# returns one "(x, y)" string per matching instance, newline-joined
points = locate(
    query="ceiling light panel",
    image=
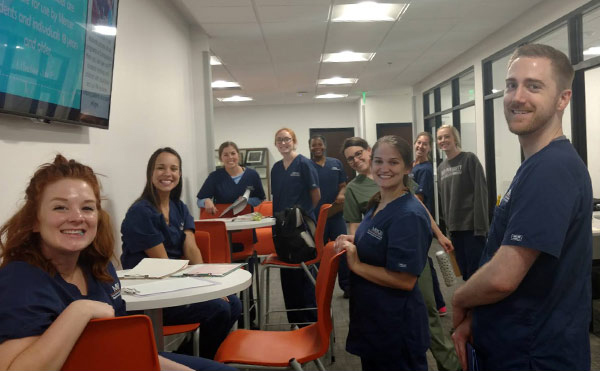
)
(346, 56)
(221, 84)
(331, 96)
(235, 98)
(367, 11)
(338, 81)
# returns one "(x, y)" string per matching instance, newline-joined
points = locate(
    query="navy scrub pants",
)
(216, 317)
(468, 249)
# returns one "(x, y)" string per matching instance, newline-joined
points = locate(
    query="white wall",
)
(151, 107)
(387, 107)
(255, 126)
(532, 20)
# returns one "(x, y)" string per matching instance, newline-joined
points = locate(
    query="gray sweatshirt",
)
(463, 190)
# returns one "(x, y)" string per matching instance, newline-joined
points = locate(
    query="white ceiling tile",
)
(302, 13)
(223, 14)
(216, 3)
(293, 41)
(356, 36)
(233, 31)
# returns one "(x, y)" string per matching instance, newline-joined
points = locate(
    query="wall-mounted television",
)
(56, 59)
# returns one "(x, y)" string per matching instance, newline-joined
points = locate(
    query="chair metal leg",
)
(319, 364)
(295, 365)
(196, 342)
(307, 271)
(256, 261)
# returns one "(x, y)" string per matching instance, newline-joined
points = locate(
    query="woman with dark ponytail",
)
(388, 317)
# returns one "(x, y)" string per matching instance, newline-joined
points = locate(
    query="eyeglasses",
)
(357, 154)
(283, 140)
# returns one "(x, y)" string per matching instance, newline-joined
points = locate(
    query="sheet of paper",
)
(156, 268)
(163, 286)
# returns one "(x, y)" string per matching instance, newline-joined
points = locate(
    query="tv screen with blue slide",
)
(56, 59)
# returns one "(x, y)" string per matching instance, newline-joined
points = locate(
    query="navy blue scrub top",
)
(384, 319)
(32, 299)
(292, 186)
(220, 186)
(330, 175)
(145, 227)
(544, 323)
(422, 174)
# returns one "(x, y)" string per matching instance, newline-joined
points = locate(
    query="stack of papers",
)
(160, 287)
(156, 268)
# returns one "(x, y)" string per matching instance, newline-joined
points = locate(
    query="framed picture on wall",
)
(254, 157)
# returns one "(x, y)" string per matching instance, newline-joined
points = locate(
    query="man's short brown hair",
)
(560, 62)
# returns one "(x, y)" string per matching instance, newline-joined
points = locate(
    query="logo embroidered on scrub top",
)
(506, 197)
(516, 237)
(295, 173)
(335, 168)
(181, 226)
(374, 232)
(116, 290)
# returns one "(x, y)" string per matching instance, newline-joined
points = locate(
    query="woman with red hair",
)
(56, 273)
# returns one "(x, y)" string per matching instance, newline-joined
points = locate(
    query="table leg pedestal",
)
(156, 316)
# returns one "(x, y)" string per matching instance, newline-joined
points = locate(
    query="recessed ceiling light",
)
(235, 98)
(594, 50)
(331, 96)
(214, 61)
(220, 84)
(367, 11)
(338, 81)
(347, 56)
(105, 30)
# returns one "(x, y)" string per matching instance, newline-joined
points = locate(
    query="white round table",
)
(152, 305)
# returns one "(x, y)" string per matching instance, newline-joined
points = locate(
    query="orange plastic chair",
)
(272, 261)
(218, 249)
(122, 343)
(243, 348)
(245, 237)
(264, 236)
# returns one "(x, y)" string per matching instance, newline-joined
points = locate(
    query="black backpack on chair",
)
(294, 235)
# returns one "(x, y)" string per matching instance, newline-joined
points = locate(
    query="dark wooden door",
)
(403, 129)
(335, 138)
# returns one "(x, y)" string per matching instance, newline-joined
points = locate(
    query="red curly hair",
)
(18, 241)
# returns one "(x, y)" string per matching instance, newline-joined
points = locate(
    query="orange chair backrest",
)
(324, 291)
(220, 252)
(122, 343)
(244, 237)
(320, 230)
(203, 243)
(265, 208)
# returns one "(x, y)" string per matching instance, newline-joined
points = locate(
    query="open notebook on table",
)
(238, 205)
(155, 268)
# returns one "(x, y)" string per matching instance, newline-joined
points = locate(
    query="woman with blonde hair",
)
(463, 191)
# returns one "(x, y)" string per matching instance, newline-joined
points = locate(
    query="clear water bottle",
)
(446, 267)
